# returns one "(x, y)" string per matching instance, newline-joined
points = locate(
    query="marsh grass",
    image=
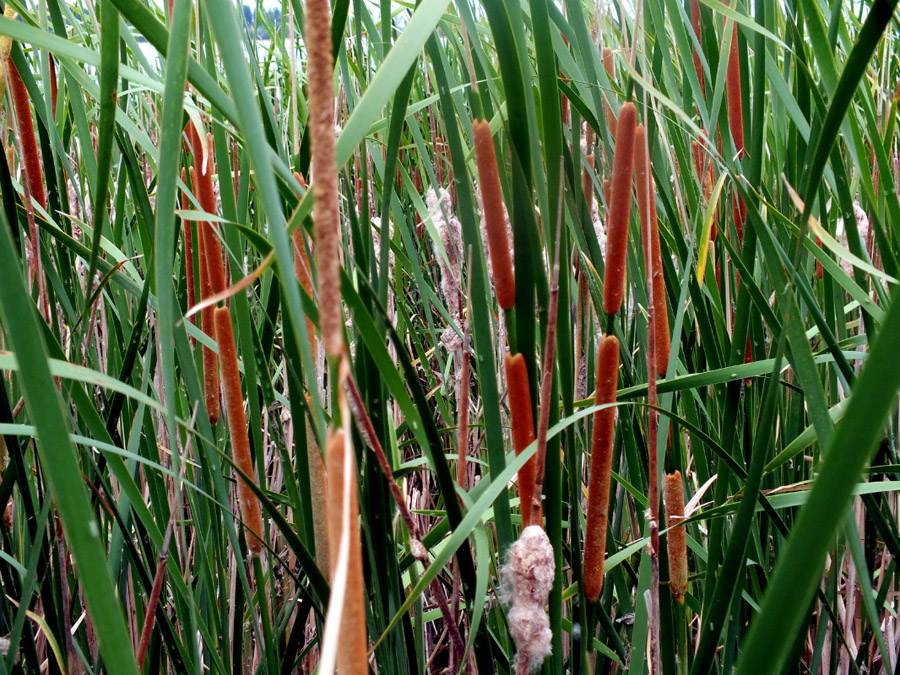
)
(366, 334)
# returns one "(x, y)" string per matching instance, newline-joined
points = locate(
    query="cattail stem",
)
(494, 218)
(619, 208)
(522, 418)
(601, 466)
(237, 429)
(547, 379)
(652, 250)
(676, 539)
(343, 512)
(326, 216)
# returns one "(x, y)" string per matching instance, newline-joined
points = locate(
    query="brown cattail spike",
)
(673, 498)
(326, 215)
(207, 323)
(494, 217)
(619, 208)
(522, 428)
(31, 159)
(203, 189)
(736, 120)
(652, 253)
(695, 24)
(351, 657)
(610, 68)
(601, 467)
(237, 429)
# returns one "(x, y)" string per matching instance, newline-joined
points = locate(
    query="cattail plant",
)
(673, 498)
(522, 420)
(207, 324)
(494, 218)
(326, 217)
(30, 159)
(695, 24)
(54, 86)
(736, 120)
(610, 68)
(343, 513)
(526, 580)
(619, 208)
(652, 251)
(203, 188)
(237, 429)
(601, 466)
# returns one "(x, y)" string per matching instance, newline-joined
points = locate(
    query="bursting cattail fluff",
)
(619, 208)
(526, 580)
(522, 419)
(326, 214)
(652, 250)
(494, 218)
(601, 467)
(673, 498)
(450, 261)
(237, 428)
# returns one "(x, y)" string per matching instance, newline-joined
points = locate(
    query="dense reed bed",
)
(530, 336)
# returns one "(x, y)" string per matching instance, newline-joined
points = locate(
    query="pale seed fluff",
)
(526, 580)
(449, 261)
